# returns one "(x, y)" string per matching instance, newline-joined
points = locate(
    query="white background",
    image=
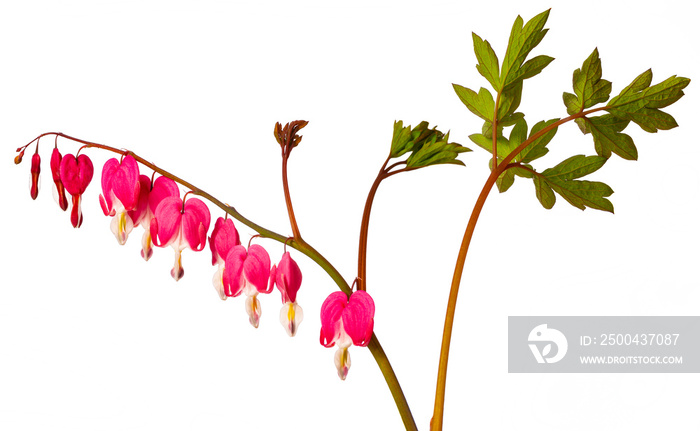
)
(92, 337)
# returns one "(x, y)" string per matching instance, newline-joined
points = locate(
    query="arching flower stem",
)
(296, 243)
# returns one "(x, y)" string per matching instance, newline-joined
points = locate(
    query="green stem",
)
(297, 243)
(438, 411)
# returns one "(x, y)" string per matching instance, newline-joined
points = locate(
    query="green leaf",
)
(523, 39)
(436, 152)
(538, 147)
(400, 139)
(481, 104)
(488, 62)
(563, 179)
(582, 194)
(505, 180)
(607, 136)
(502, 144)
(640, 103)
(517, 136)
(531, 68)
(487, 130)
(543, 192)
(510, 101)
(524, 170)
(575, 167)
(590, 89)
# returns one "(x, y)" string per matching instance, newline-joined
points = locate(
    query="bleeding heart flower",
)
(287, 277)
(150, 195)
(59, 190)
(346, 321)
(35, 170)
(223, 238)
(121, 187)
(76, 174)
(248, 272)
(181, 225)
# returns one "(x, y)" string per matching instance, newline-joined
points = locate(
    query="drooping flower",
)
(150, 195)
(248, 271)
(35, 170)
(76, 174)
(59, 190)
(287, 277)
(120, 188)
(181, 225)
(223, 238)
(346, 321)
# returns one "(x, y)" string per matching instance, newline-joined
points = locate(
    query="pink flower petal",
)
(195, 223)
(223, 238)
(35, 170)
(256, 268)
(233, 271)
(288, 278)
(125, 183)
(139, 213)
(273, 278)
(60, 191)
(163, 187)
(108, 170)
(167, 220)
(56, 164)
(76, 174)
(358, 318)
(331, 311)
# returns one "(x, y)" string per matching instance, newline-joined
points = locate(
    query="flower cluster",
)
(132, 199)
(70, 173)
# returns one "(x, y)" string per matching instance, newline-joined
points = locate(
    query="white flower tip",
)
(342, 362)
(121, 226)
(218, 282)
(178, 271)
(252, 307)
(146, 245)
(291, 316)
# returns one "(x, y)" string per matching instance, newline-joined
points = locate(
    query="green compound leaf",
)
(590, 89)
(509, 102)
(488, 61)
(523, 39)
(575, 167)
(531, 68)
(487, 129)
(640, 103)
(427, 146)
(505, 180)
(436, 152)
(544, 193)
(607, 136)
(538, 147)
(481, 104)
(503, 147)
(401, 140)
(563, 180)
(582, 194)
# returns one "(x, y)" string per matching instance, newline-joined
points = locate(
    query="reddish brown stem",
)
(287, 196)
(436, 421)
